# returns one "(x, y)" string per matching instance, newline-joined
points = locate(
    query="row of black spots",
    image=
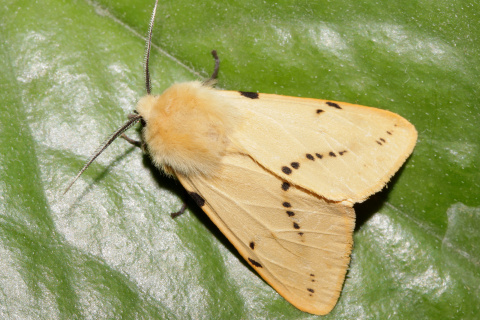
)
(251, 95)
(295, 165)
(332, 154)
(320, 156)
(290, 213)
(310, 290)
(287, 205)
(380, 141)
(285, 187)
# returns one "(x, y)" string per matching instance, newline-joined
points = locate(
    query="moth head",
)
(187, 128)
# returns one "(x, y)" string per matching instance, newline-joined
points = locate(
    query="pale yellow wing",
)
(337, 150)
(298, 241)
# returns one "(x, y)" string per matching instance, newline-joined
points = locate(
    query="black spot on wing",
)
(390, 133)
(255, 263)
(252, 245)
(310, 156)
(319, 111)
(251, 95)
(333, 104)
(310, 290)
(286, 170)
(381, 141)
(197, 198)
(290, 213)
(285, 186)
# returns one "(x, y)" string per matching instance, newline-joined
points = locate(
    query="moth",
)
(278, 175)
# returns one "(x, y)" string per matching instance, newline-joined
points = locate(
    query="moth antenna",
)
(131, 121)
(148, 45)
(214, 75)
(217, 65)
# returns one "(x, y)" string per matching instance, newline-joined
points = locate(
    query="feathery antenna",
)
(131, 121)
(213, 78)
(148, 85)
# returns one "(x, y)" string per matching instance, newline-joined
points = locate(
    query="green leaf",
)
(72, 71)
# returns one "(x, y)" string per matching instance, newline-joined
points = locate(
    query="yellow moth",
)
(278, 175)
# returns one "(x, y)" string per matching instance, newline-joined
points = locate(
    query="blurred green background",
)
(72, 70)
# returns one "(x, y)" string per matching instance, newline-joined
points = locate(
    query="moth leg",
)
(179, 212)
(214, 75)
(136, 143)
(141, 145)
